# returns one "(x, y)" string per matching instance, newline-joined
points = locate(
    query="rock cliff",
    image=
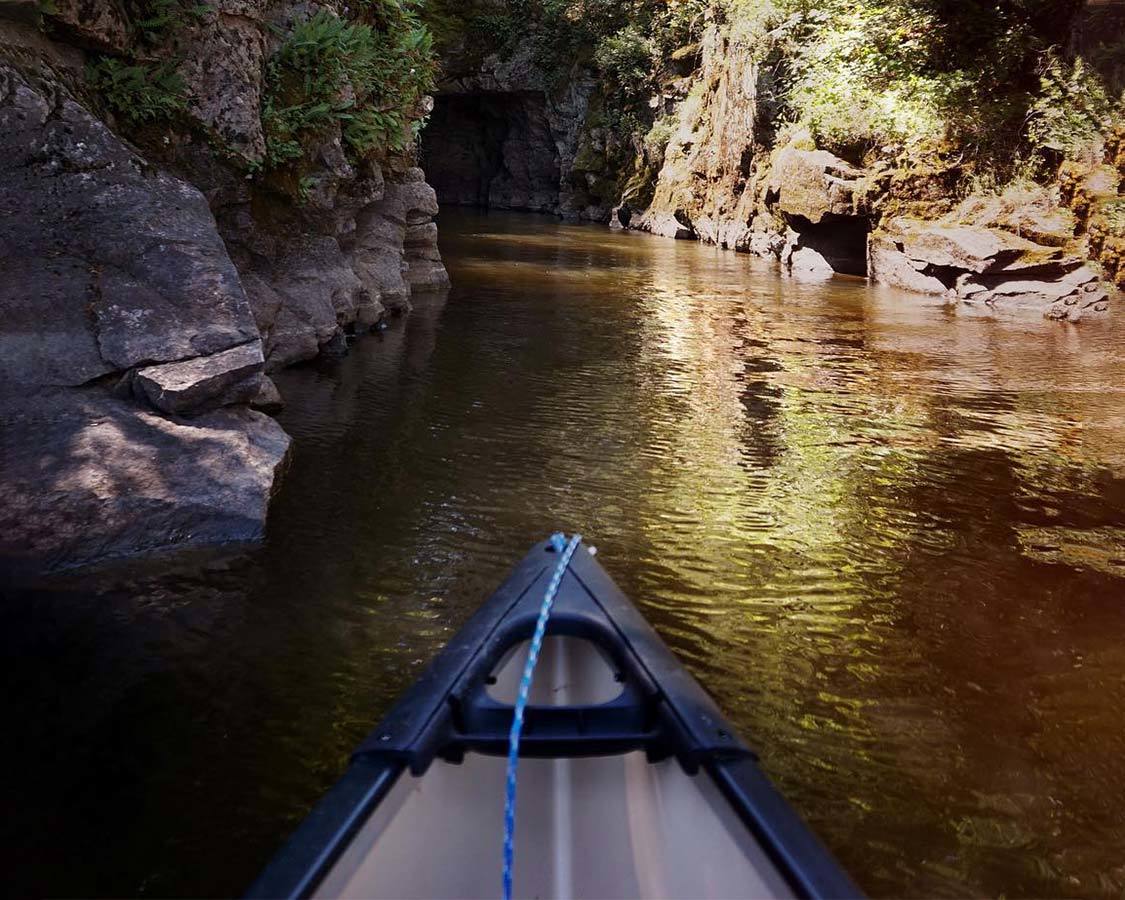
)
(156, 263)
(812, 134)
(721, 182)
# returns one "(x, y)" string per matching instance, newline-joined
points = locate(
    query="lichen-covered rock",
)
(814, 185)
(1031, 213)
(87, 476)
(980, 265)
(223, 52)
(704, 188)
(971, 248)
(98, 24)
(1094, 193)
(196, 385)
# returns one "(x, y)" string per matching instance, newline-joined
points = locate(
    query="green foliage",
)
(862, 74)
(141, 93)
(1073, 107)
(366, 78)
(974, 82)
(1114, 213)
(625, 58)
(155, 19)
(658, 136)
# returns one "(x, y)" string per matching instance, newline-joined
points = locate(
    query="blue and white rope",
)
(558, 541)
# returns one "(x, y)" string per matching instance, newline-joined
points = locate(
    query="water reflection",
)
(888, 538)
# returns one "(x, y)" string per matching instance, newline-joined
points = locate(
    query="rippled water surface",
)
(889, 538)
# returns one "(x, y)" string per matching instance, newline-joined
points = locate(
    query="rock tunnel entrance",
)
(492, 150)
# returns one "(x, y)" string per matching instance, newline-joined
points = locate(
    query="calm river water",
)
(889, 538)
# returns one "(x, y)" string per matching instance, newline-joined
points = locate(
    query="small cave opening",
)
(493, 150)
(841, 241)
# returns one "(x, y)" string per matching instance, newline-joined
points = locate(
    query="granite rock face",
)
(395, 237)
(112, 267)
(223, 50)
(705, 187)
(105, 262)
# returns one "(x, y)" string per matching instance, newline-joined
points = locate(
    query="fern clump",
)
(365, 77)
(141, 93)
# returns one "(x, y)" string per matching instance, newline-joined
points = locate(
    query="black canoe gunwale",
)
(662, 710)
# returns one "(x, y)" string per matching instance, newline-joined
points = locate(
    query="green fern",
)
(366, 78)
(141, 93)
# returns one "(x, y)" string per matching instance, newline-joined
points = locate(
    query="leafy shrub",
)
(153, 19)
(625, 57)
(141, 93)
(1073, 107)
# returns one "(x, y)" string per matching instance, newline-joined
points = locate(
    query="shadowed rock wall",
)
(149, 283)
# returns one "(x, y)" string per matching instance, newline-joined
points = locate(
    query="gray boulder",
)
(107, 266)
(983, 265)
(814, 185)
(88, 477)
(268, 399)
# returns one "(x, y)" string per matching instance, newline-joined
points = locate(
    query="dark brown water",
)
(888, 538)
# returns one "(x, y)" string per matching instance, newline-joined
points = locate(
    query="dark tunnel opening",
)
(492, 150)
